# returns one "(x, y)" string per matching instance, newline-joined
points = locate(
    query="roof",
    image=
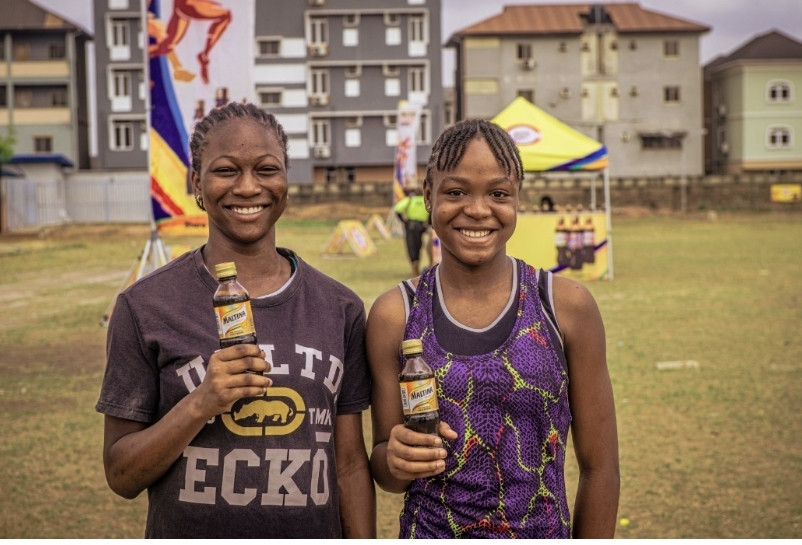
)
(27, 15)
(773, 45)
(41, 158)
(626, 17)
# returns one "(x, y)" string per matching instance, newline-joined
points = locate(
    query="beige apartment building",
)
(624, 75)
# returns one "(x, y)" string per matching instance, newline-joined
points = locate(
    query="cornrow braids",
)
(233, 110)
(449, 148)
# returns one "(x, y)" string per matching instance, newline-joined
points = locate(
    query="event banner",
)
(571, 243)
(201, 55)
(406, 167)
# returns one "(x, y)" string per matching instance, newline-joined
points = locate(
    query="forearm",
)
(596, 506)
(357, 504)
(139, 458)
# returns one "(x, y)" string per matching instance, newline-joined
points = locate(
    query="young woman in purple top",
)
(519, 356)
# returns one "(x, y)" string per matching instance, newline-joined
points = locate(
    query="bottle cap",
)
(225, 270)
(412, 346)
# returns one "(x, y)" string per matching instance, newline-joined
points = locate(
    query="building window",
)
(58, 98)
(390, 121)
(391, 19)
(23, 98)
(321, 132)
(351, 19)
(671, 48)
(423, 129)
(318, 31)
(350, 37)
(778, 137)
(523, 52)
(270, 98)
(661, 141)
(417, 29)
(671, 94)
(417, 80)
(121, 84)
(353, 137)
(119, 33)
(22, 51)
(528, 94)
(43, 144)
(122, 136)
(2, 50)
(353, 71)
(3, 97)
(352, 88)
(56, 50)
(320, 81)
(269, 47)
(779, 91)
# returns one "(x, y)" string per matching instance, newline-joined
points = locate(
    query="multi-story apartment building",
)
(753, 114)
(332, 71)
(43, 82)
(121, 123)
(624, 75)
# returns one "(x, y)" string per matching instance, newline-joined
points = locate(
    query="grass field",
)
(707, 451)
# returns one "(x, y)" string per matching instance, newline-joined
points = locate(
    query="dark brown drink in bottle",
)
(232, 305)
(418, 390)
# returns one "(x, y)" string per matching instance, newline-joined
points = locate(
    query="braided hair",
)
(450, 147)
(234, 110)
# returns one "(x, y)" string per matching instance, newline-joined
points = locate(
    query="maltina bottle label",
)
(418, 396)
(234, 320)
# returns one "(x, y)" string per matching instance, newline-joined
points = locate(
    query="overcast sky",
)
(733, 22)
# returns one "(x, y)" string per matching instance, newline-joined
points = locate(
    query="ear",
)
(196, 181)
(427, 190)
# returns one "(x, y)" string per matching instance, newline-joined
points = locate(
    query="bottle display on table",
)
(232, 305)
(418, 390)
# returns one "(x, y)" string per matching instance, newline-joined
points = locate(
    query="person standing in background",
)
(411, 210)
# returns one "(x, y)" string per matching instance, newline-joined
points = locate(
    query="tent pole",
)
(608, 218)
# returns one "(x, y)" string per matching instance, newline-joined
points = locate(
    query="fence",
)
(98, 197)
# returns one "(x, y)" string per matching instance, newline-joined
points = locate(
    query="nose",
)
(247, 185)
(476, 206)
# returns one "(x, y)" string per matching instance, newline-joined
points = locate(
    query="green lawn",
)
(710, 450)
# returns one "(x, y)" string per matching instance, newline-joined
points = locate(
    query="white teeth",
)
(475, 234)
(247, 211)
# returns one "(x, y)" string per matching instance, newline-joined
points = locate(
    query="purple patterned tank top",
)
(504, 475)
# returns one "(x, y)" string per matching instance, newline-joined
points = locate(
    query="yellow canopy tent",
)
(548, 144)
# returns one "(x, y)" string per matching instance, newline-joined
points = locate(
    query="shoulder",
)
(175, 274)
(570, 295)
(576, 309)
(388, 307)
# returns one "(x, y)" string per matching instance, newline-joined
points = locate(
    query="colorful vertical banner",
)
(406, 161)
(201, 56)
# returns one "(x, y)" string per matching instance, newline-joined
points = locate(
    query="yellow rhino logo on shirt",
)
(280, 412)
(261, 409)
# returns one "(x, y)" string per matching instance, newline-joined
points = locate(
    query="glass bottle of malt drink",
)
(418, 390)
(232, 305)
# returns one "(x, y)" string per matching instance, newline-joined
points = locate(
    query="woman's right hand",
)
(232, 374)
(413, 455)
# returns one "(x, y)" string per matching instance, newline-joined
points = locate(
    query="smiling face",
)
(243, 182)
(474, 206)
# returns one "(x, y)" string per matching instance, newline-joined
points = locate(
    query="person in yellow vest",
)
(411, 210)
